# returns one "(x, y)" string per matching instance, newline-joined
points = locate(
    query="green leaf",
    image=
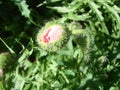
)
(23, 7)
(114, 12)
(11, 51)
(20, 82)
(64, 76)
(76, 17)
(52, 1)
(69, 72)
(56, 84)
(1, 86)
(53, 67)
(114, 88)
(62, 9)
(47, 2)
(26, 53)
(95, 9)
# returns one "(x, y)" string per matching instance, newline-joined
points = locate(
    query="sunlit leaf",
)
(76, 17)
(23, 7)
(62, 9)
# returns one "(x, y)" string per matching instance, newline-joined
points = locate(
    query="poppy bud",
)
(52, 37)
(5, 58)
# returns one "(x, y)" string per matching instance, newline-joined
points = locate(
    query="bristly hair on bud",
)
(52, 36)
(83, 37)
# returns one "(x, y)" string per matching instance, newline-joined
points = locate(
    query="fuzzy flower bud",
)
(52, 37)
(5, 58)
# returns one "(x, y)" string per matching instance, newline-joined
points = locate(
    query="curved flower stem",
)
(80, 31)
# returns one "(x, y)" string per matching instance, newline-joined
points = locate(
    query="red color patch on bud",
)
(52, 34)
(52, 37)
(45, 37)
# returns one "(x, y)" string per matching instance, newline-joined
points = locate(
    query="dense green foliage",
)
(89, 60)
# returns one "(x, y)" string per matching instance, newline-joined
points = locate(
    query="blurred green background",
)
(70, 68)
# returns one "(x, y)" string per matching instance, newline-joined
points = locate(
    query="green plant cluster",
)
(90, 60)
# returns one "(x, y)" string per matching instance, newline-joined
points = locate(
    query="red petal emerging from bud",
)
(52, 34)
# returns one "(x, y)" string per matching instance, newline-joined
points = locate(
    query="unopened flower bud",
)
(52, 37)
(5, 58)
